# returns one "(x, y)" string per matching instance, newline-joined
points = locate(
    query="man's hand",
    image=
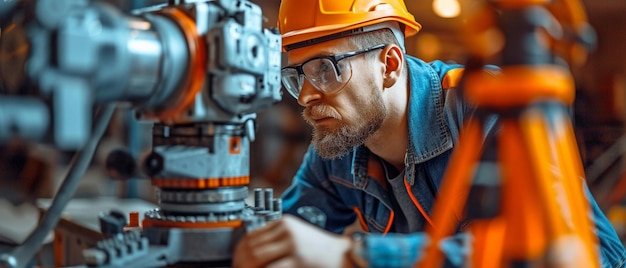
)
(291, 242)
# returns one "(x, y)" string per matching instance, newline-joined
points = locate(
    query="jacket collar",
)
(429, 134)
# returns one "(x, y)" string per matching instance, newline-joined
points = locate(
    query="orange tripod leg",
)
(488, 238)
(521, 203)
(574, 183)
(577, 186)
(454, 190)
(560, 192)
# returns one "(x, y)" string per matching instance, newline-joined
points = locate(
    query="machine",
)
(198, 69)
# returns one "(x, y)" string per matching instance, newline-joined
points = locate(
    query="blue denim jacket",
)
(351, 188)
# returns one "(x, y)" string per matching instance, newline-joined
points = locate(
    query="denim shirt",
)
(350, 188)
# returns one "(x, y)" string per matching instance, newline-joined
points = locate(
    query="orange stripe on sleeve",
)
(389, 223)
(452, 79)
(361, 219)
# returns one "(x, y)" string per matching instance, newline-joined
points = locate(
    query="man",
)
(385, 124)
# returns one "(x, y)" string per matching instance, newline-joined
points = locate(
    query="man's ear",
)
(394, 62)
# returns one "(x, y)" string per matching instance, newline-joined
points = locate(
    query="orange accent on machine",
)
(235, 145)
(133, 220)
(149, 222)
(193, 82)
(202, 183)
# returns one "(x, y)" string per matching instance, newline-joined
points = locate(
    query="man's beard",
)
(331, 144)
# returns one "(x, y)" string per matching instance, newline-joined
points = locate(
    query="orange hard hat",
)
(304, 20)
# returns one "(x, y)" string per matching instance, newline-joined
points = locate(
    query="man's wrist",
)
(355, 252)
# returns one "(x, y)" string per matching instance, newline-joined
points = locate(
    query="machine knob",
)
(153, 164)
(121, 165)
(112, 223)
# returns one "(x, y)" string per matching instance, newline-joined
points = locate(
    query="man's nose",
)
(309, 95)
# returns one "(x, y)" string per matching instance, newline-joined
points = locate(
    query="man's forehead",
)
(300, 55)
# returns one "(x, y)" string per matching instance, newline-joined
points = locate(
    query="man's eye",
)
(319, 69)
(325, 66)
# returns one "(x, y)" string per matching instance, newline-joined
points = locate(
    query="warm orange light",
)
(428, 46)
(447, 8)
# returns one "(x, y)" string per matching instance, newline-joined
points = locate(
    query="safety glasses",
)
(328, 74)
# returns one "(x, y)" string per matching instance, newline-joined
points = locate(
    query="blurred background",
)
(599, 115)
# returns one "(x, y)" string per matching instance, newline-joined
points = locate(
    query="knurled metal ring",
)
(157, 214)
(204, 196)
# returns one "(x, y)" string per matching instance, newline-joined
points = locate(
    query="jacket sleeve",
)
(404, 250)
(612, 252)
(314, 198)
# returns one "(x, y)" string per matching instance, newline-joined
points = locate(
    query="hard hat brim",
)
(411, 28)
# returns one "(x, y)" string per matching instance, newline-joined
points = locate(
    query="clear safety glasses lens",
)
(322, 73)
(292, 81)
